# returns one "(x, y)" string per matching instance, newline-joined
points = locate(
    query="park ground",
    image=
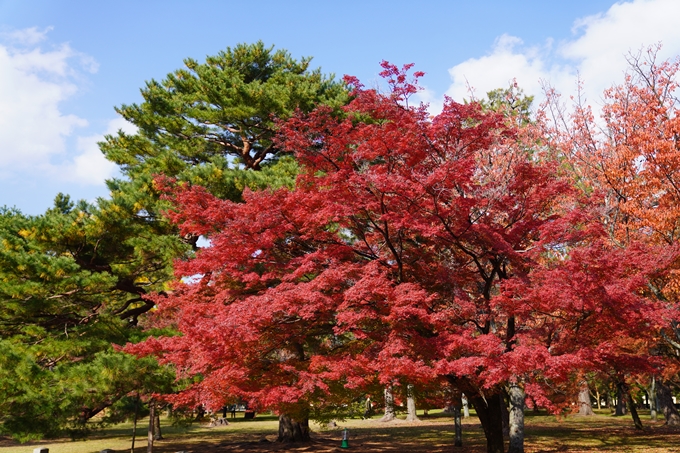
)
(601, 433)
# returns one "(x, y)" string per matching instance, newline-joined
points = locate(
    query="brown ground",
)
(605, 435)
(544, 434)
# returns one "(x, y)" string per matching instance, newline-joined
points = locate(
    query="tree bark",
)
(585, 406)
(466, 406)
(666, 407)
(620, 401)
(368, 406)
(389, 406)
(411, 415)
(152, 419)
(157, 434)
(516, 418)
(458, 427)
(505, 414)
(489, 413)
(651, 396)
(456, 406)
(292, 430)
(134, 424)
(631, 405)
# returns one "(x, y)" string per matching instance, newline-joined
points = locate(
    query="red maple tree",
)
(413, 248)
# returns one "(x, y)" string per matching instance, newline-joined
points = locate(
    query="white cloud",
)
(596, 54)
(509, 60)
(27, 36)
(32, 86)
(428, 96)
(90, 166)
(34, 129)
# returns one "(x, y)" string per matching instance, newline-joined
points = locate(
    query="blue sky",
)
(65, 65)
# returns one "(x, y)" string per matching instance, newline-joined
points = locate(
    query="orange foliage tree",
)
(629, 160)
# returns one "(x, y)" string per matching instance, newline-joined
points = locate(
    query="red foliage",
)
(412, 248)
(629, 158)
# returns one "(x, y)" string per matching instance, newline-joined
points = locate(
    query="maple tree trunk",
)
(516, 418)
(505, 414)
(490, 415)
(466, 406)
(631, 406)
(389, 406)
(292, 430)
(620, 401)
(456, 406)
(411, 415)
(651, 397)
(665, 404)
(597, 397)
(368, 406)
(458, 427)
(585, 406)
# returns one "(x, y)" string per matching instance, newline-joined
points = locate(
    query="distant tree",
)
(511, 101)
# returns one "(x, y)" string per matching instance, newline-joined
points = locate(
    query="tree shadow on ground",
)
(600, 435)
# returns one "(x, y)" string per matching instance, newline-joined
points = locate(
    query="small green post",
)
(345, 439)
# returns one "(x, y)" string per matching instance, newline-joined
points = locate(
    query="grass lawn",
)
(601, 433)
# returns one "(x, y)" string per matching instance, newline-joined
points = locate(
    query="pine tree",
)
(72, 284)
